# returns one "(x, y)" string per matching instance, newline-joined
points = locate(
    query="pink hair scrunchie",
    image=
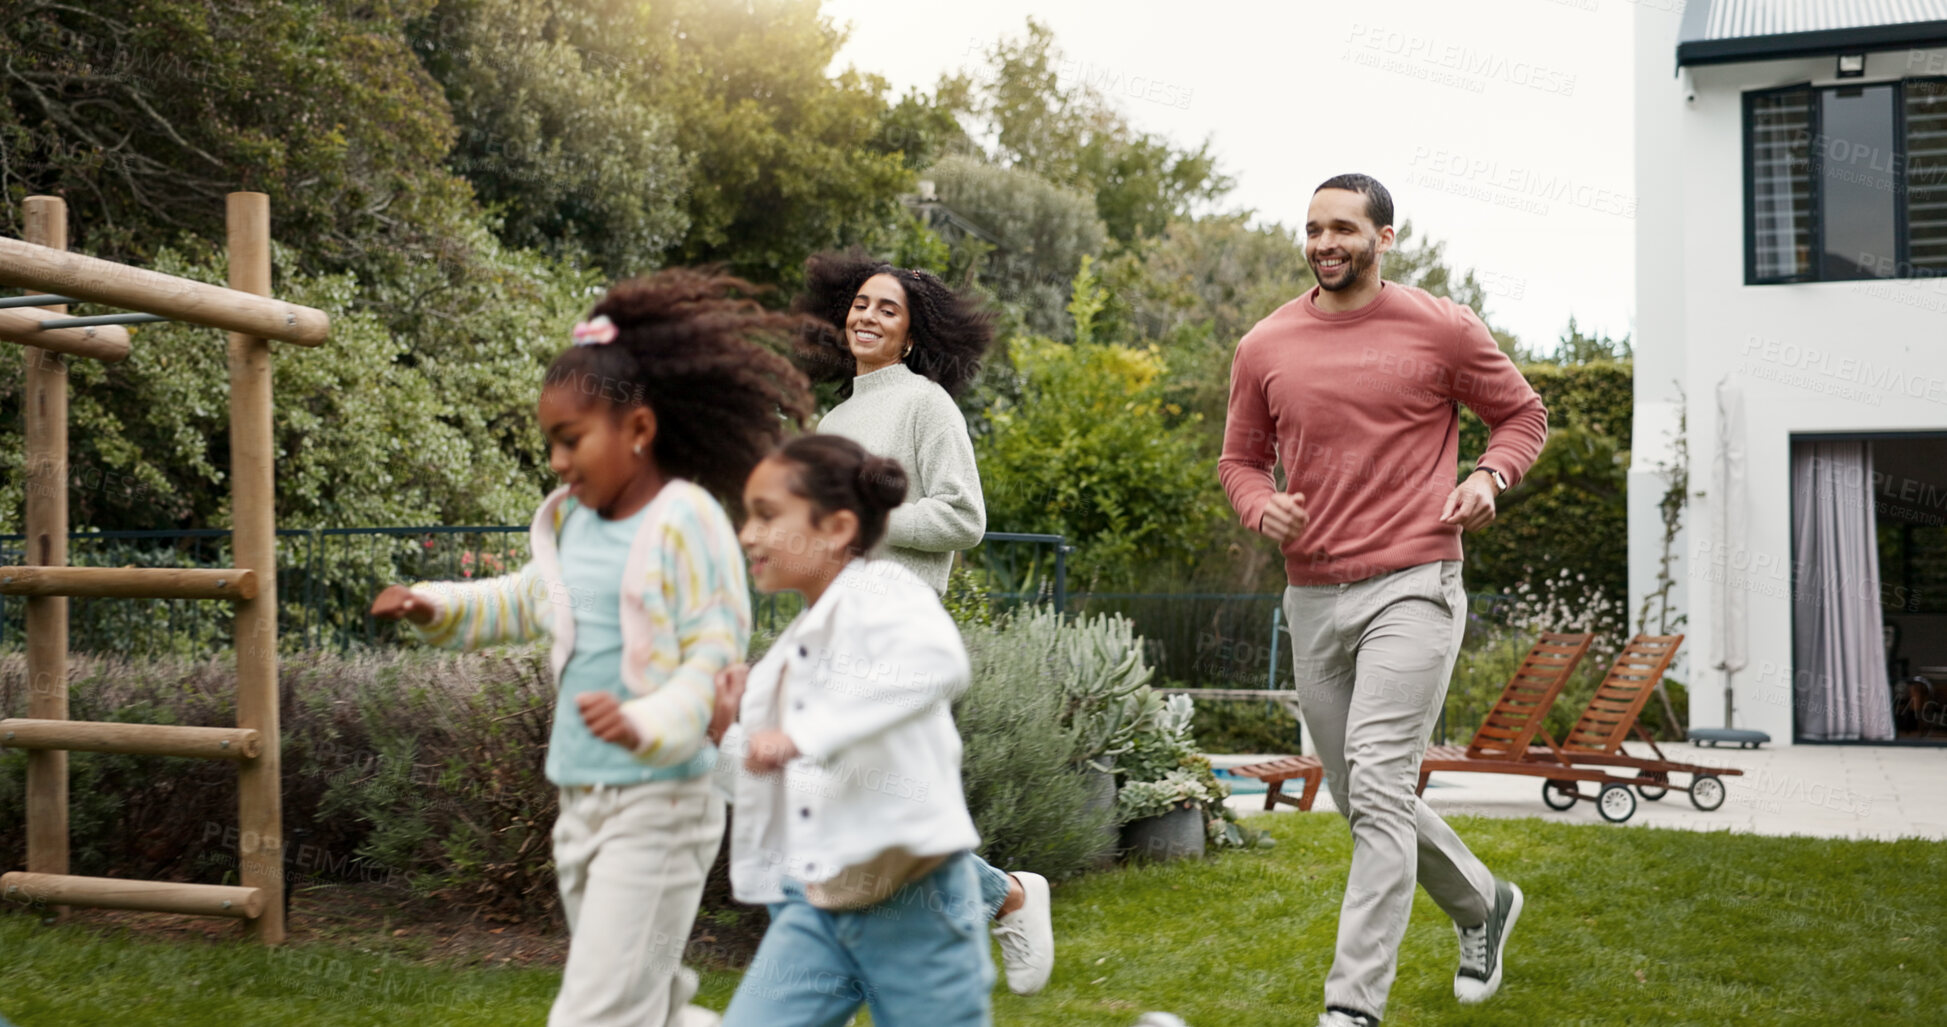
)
(597, 332)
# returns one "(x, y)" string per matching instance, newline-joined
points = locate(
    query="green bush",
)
(1241, 726)
(1031, 801)
(424, 769)
(415, 768)
(1498, 640)
(1093, 451)
(1571, 510)
(966, 601)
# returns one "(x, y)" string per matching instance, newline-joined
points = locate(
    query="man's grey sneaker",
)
(1479, 976)
(1161, 1020)
(1341, 1018)
(1027, 937)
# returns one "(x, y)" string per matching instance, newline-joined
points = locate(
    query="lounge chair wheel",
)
(1558, 794)
(1707, 792)
(1616, 803)
(1653, 792)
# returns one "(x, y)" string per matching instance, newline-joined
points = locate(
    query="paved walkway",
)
(1827, 791)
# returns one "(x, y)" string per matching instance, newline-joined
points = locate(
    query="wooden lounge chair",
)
(1506, 732)
(1592, 750)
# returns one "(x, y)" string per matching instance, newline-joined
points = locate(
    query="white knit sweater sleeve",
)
(945, 511)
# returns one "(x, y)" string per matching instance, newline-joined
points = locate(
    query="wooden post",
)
(260, 848)
(46, 411)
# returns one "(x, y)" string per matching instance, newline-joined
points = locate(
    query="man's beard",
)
(1356, 265)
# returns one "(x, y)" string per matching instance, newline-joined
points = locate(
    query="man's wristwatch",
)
(1500, 482)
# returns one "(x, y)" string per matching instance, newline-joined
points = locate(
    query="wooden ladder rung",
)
(150, 896)
(214, 743)
(129, 582)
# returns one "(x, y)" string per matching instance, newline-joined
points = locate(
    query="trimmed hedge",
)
(414, 768)
(1572, 513)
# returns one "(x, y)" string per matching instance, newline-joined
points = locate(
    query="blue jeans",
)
(993, 886)
(919, 957)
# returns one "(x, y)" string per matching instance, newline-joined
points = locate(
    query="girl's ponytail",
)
(882, 483)
(836, 473)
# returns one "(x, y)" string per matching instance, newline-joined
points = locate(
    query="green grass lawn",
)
(1623, 926)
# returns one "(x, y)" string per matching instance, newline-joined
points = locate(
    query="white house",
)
(1791, 311)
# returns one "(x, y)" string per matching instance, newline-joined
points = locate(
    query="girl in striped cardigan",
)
(663, 399)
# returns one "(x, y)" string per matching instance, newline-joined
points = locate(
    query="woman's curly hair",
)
(689, 348)
(950, 331)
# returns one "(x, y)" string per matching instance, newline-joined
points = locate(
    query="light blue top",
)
(594, 551)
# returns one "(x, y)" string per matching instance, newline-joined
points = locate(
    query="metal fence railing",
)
(326, 579)
(1011, 568)
(1022, 568)
(1214, 639)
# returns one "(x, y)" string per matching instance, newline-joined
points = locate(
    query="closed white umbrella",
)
(1728, 599)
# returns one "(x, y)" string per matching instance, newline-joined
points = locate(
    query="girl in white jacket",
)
(851, 826)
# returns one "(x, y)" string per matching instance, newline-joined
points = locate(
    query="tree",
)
(1423, 263)
(1195, 290)
(1040, 234)
(146, 112)
(1073, 136)
(557, 129)
(1093, 451)
(1572, 507)
(364, 433)
(1573, 347)
(788, 160)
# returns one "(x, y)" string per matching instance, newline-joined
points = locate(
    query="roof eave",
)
(1811, 44)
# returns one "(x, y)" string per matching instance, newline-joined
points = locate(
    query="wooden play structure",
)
(40, 323)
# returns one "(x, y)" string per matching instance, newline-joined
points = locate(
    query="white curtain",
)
(1839, 651)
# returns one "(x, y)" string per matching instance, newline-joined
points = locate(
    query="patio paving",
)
(1826, 791)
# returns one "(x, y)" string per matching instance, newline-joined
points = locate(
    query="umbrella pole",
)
(1670, 713)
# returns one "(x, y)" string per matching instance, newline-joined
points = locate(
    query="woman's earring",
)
(638, 449)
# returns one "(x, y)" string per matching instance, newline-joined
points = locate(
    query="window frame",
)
(1815, 170)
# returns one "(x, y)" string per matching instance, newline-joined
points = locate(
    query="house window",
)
(1856, 184)
(1926, 174)
(1846, 182)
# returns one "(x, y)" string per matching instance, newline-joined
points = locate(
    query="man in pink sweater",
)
(1355, 388)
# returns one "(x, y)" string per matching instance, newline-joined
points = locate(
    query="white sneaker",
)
(1479, 976)
(1334, 1018)
(696, 1016)
(1161, 1020)
(1027, 938)
(683, 986)
(682, 989)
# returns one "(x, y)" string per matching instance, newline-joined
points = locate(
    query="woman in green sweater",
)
(902, 345)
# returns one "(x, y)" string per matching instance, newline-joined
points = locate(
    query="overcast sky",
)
(1500, 126)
